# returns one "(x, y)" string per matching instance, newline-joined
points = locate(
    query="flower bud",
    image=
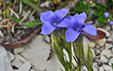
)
(106, 15)
(111, 22)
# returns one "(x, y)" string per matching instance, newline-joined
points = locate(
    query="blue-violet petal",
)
(73, 22)
(64, 23)
(48, 16)
(80, 19)
(61, 13)
(90, 29)
(71, 35)
(47, 28)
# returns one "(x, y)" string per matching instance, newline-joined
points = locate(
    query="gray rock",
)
(84, 68)
(108, 46)
(110, 61)
(95, 69)
(25, 67)
(112, 50)
(17, 62)
(101, 42)
(107, 33)
(103, 59)
(107, 68)
(101, 69)
(10, 56)
(92, 44)
(18, 50)
(5, 64)
(98, 46)
(32, 70)
(109, 40)
(95, 65)
(22, 59)
(0, 12)
(107, 27)
(91, 22)
(102, 48)
(37, 53)
(106, 53)
(0, 18)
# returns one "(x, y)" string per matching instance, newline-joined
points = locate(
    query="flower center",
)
(55, 22)
(78, 29)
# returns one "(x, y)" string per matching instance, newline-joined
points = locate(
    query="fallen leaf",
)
(23, 40)
(100, 35)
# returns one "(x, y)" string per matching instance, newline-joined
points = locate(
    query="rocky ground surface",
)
(33, 56)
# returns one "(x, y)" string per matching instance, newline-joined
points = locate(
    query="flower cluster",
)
(106, 15)
(74, 24)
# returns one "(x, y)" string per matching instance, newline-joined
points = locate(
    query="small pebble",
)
(101, 42)
(110, 61)
(108, 46)
(107, 68)
(106, 53)
(101, 69)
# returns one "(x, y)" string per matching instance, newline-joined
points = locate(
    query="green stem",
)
(34, 9)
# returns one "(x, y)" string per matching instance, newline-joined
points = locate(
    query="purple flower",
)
(106, 15)
(54, 21)
(76, 27)
(111, 22)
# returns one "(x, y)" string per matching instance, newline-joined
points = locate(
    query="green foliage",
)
(31, 3)
(99, 14)
(6, 14)
(112, 66)
(82, 7)
(32, 23)
(88, 59)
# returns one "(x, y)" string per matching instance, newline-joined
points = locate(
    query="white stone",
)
(101, 69)
(32, 70)
(91, 22)
(110, 61)
(107, 33)
(92, 44)
(0, 18)
(37, 53)
(95, 65)
(42, 5)
(103, 59)
(25, 67)
(106, 53)
(18, 50)
(84, 68)
(5, 64)
(95, 69)
(101, 42)
(16, 62)
(23, 60)
(48, 3)
(109, 40)
(10, 55)
(107, 68)
(97, 46)
(93, 52)
(107, 27)
(108, 46)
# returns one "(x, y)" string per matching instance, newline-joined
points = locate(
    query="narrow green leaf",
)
(14, 19)
(31, 3)
(112, 66)
(21, 12)
(32, 23)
